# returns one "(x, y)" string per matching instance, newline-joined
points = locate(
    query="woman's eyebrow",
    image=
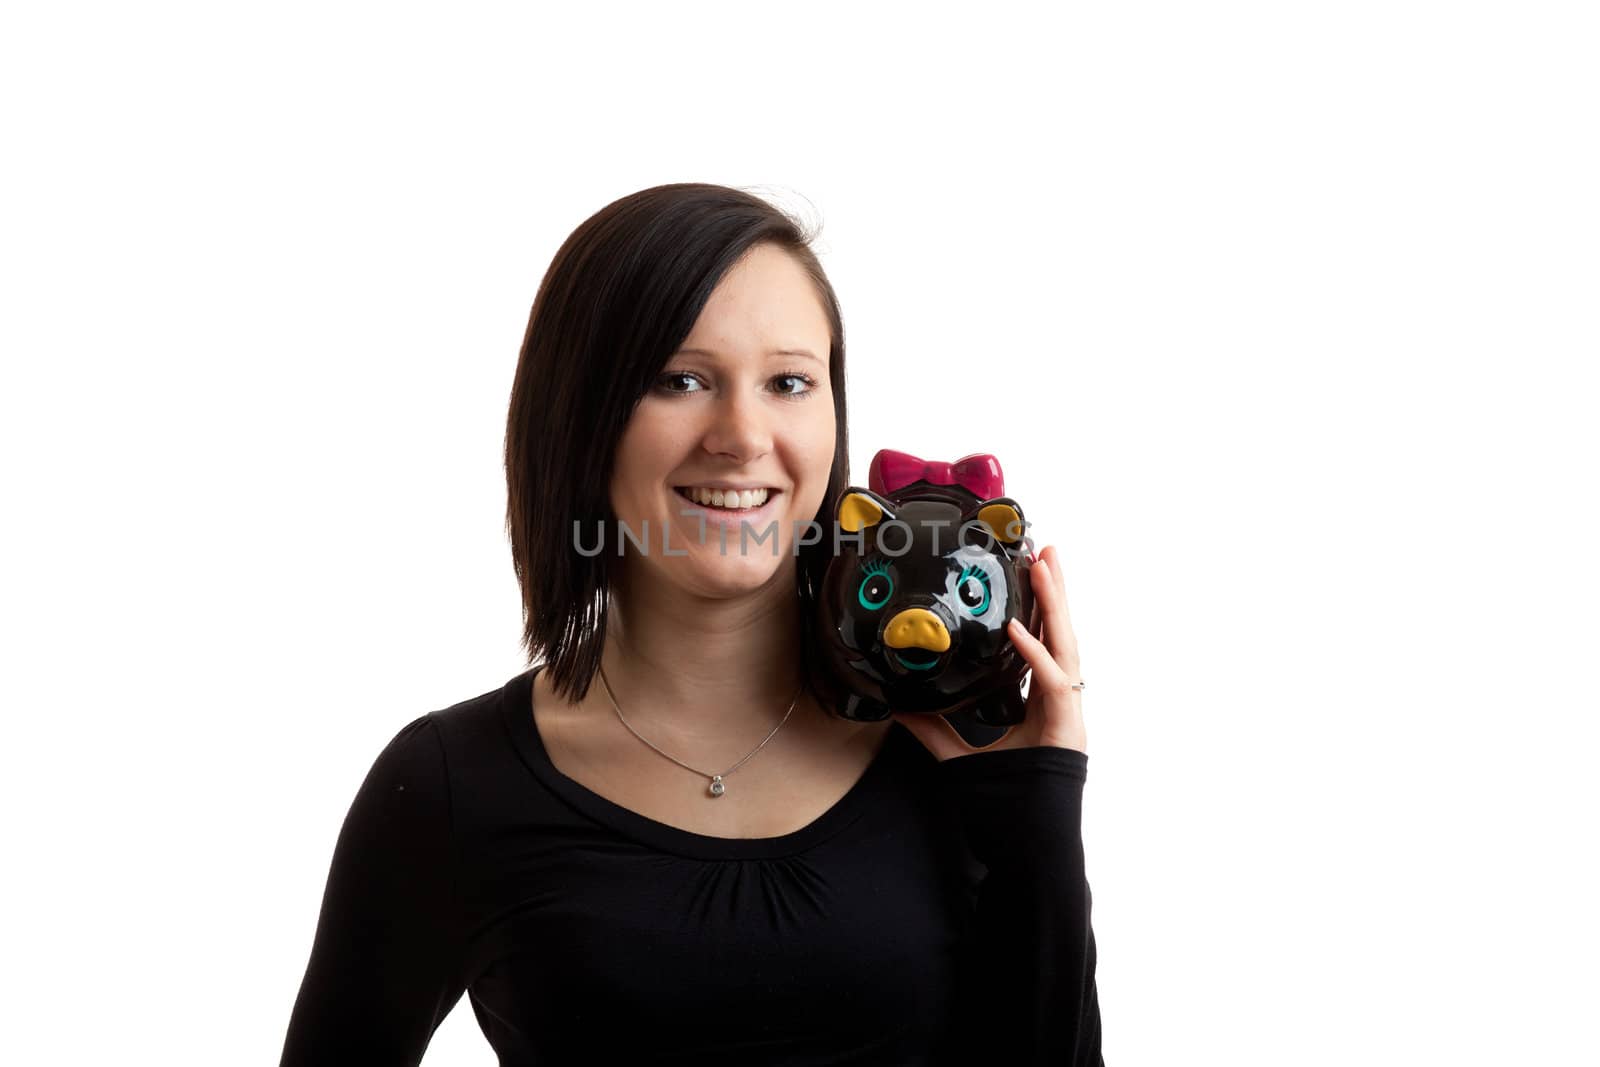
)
(800, 352)
(803, 353)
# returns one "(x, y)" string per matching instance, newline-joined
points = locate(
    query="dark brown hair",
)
(620, 296)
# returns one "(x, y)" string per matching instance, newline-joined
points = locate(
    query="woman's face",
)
(745, 404)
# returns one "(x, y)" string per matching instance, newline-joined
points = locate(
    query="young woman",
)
(693, 861)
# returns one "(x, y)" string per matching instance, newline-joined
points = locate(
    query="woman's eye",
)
(675, 376)
(788, 385)
(806, 383)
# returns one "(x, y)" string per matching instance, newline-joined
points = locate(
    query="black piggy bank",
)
(932, 561)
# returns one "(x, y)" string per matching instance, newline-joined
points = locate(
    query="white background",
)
(1281, 316)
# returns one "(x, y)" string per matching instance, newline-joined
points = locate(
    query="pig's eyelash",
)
(971, 571)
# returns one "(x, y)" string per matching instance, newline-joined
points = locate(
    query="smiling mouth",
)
(726, 502)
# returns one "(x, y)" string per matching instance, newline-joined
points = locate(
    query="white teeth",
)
(735, 499)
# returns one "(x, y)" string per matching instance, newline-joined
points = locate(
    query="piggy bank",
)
(931, 563)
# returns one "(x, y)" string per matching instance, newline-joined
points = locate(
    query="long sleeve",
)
(1027, 979)
(385, 962)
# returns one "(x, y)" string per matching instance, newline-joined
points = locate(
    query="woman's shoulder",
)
(478, 718)
(422, 755)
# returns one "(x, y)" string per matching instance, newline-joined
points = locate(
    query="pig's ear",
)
(1002, 518)
(859, 508)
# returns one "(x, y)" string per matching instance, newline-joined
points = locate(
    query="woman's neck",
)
(697, 668)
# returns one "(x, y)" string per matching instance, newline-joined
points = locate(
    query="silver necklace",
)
(716, 788)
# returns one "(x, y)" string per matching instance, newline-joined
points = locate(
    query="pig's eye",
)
(973, 588)
(876, 586)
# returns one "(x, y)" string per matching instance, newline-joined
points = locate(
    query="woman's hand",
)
(1055, 709)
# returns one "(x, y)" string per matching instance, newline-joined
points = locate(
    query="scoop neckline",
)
(518, 709)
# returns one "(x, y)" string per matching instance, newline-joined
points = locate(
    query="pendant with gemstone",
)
(716, 785)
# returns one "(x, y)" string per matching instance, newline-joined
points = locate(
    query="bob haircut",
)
(620, 296)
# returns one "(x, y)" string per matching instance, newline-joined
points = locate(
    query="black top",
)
(937, 913)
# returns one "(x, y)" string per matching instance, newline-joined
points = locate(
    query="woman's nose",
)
(738, 428)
